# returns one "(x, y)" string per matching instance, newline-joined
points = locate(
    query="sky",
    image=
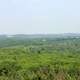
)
(39, 16)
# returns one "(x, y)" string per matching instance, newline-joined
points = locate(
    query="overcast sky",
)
(39, 16)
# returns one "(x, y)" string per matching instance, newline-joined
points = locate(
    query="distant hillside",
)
(22, 39)
(65, 35)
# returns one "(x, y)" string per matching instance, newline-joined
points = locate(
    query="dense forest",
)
(40, 57)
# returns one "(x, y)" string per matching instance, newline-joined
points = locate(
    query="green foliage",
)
(34, 59)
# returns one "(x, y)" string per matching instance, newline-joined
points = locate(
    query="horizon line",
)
(42, 33)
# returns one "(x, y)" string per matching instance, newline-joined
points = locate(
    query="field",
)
(39, 58)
